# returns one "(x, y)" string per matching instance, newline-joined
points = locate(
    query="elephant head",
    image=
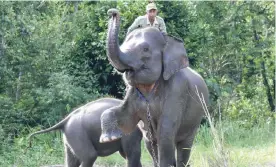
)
(145, 55)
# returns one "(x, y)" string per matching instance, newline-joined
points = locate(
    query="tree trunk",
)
(268, 90)
(263, 73)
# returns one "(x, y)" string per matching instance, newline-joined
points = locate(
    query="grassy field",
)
(231, 145)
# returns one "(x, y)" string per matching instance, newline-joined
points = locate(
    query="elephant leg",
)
(166, 139)
(169, 124)
(109, 125)
(184, 149)
(88, 155)
(82, 146)
(88, 163)
(183, 153)
(133, 157)
(150, 149)
(132, 160)
(166, 150)
(131, 148)
(122, 153)
(116, 121)
(166, 146)
(70, 159)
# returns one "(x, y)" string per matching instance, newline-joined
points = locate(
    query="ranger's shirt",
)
(143, 21)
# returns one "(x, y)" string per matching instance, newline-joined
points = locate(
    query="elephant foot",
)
(109, 137)
(110, 130)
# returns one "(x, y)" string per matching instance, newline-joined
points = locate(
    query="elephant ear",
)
(174, 57)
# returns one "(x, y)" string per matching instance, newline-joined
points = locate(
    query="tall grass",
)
(243, 147)
(221, 157)
(231, 144)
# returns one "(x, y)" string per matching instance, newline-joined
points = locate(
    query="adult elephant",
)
(161, 87)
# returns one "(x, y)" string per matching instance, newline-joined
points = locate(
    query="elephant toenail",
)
(114, 137)
(103, 139)
(106, 139)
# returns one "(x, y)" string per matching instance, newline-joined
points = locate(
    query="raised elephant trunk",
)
(113, 51)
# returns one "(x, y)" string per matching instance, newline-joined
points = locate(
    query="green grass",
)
(241, 147)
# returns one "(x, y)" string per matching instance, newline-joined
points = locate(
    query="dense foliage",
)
(53, 59)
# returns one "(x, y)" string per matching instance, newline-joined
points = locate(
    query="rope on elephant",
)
(151, 127)
(176, 38)
(142, 97)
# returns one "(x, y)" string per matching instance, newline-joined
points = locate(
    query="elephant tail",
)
(57, 126)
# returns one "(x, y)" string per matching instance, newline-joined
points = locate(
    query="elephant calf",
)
(81, 132)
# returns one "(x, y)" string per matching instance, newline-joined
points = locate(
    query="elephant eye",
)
(146, 49)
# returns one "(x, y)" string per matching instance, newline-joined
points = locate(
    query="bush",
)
(249, 112)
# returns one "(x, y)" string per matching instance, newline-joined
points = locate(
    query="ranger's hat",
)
(151, 6)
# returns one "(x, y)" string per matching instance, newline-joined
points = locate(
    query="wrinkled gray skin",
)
(81, 133)
(176, 112)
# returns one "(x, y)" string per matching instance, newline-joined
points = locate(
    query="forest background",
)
(53, 59)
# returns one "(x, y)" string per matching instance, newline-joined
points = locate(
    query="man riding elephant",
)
(149, 20)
